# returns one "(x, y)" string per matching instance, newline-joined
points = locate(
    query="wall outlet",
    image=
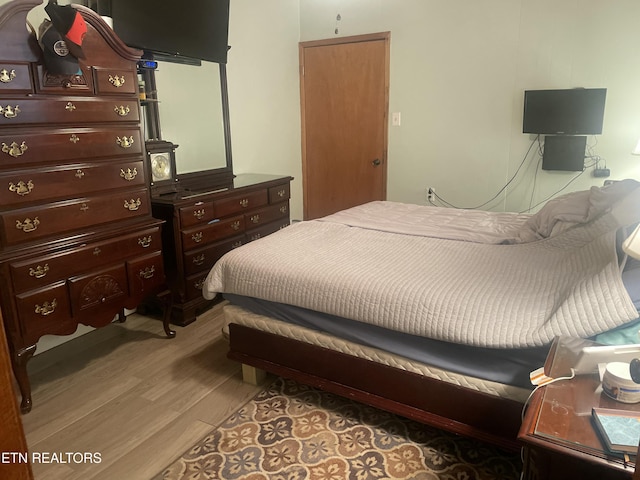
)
(431, 194)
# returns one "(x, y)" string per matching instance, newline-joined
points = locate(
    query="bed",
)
(433, 313)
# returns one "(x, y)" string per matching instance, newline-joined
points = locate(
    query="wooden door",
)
(344, 87)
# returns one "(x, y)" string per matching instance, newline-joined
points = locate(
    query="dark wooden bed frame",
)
(433, 402)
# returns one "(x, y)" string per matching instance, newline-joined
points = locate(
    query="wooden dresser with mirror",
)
(78, 243)
(210, 211)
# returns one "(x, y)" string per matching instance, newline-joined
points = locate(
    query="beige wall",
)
(264, 90)
(458, 72)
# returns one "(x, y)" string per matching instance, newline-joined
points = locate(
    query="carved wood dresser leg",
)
(20, 360)
(166, 299)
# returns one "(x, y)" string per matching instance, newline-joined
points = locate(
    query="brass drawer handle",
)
(237, 244)
(6, 76)
(125, 142)
(122, 110)
(96, 252)
(198, 285)
(255, 219)
(79, 173)
(117, 81)
(147, 272)
(132, 205)
(197, 237)
(282, 193)
(244, 203)
(255, 236)
(70, 107)
(39, 271)
(199, 214)
(9, 111)
(47, 308)
(199, 260)
(236, 225)
(74, 139)
(129, 174)
(28, 225)
(283, 209)
(84, 207)
(144, 242)
(14, 149)
(21, 188)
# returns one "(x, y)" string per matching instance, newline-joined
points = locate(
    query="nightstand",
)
(559, 441)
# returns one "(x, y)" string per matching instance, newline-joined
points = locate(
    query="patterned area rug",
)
(293, 432)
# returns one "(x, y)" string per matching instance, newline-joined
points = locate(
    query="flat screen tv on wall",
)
(575, 111)
(189, 29)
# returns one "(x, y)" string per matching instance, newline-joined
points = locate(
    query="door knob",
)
(376, 162)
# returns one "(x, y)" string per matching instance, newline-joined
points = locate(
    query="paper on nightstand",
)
(539, 378)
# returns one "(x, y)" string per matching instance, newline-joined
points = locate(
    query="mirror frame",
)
(200, 179)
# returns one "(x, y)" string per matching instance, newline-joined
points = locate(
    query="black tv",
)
(174, 30)
(564, 152)
(576, 111)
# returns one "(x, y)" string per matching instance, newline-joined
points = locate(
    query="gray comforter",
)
(528, 280)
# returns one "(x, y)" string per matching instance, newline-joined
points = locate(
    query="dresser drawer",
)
(204, 258)
(194, 283)
(69, 110)
(202, 235)
(145, 273)
(45, 311)
(28, 186)
(38, 272)
(98, 288)
(14, 78)
(199, 213)
(240, 203)
(280, 193)
(268, 229)
(21, 148)
(115, 82)
(29, 224)
(267, 215)
(52, 84)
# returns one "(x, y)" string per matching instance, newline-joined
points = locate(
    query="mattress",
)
(505, 366)
(241, 316)
(481, 304)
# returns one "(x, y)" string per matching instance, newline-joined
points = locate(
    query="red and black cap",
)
(68, 21)
(57, 58)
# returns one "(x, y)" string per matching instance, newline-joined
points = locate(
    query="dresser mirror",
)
(186, 101)
(191, 107)
(188, 106)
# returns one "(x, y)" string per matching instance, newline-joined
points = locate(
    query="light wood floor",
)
(132, 395)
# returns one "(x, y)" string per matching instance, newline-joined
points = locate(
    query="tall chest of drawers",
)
(78, 243)
(202, 225)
